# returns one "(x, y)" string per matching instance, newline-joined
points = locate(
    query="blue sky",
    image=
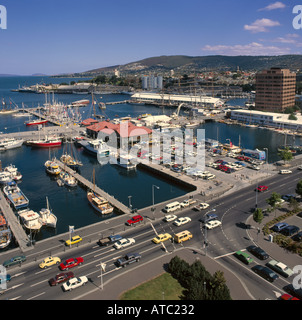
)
(72, 36)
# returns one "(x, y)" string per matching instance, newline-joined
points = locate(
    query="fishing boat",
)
(47, 142)
(8, 109)
(69, 159)
(35, 122)
(68, 179)
(52, 167)
(10, 143)
(16, 197)
(13, 172)
(5, 177)
(47, 218)
(5, 233)
(30, 219)
(98, 202)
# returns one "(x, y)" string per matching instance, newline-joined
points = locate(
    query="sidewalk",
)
(114, 288)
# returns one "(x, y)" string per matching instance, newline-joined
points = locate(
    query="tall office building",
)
(275, 90)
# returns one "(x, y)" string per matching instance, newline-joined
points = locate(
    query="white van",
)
(172, 206)
(285, 171)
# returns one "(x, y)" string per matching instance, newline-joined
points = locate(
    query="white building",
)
(174, 100)
(271, 119)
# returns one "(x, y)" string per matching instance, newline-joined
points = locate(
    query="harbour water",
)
(70, 205)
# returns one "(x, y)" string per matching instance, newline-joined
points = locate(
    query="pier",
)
(89, 185)
(16, 228)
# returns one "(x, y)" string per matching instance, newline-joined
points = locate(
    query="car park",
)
(70, 263)
(265, 273)
(279, 226)
(258, 252)
(244, 257)
(212, 224)
(49, 261)
(125, 242)
(182, 220)
(289, 230)
(60, 278)
(73, 240)
(74, 283)
(161, 238)
(280, 267)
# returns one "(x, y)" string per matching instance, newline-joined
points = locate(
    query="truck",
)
(110, 240)
(127, 259)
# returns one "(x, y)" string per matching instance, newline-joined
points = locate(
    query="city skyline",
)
(76, 36)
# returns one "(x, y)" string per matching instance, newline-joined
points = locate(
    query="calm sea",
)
(71, 206)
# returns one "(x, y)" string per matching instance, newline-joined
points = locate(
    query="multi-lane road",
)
(29, 282)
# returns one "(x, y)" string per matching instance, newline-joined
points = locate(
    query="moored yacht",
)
(15, 195)
(96, 147)
(30, 219)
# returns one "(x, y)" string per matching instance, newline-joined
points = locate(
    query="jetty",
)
(89, 185)
(16, 228)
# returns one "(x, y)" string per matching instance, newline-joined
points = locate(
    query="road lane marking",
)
(38, 295)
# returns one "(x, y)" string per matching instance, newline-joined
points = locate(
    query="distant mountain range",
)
(182, 63)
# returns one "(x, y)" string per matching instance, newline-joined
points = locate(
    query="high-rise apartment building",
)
(152, 82)
(275, 90)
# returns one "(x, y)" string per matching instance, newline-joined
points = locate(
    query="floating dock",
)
(16, 228)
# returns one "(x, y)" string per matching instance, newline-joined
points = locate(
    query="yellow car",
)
(73, 240)
(49, 261)
(162, 237)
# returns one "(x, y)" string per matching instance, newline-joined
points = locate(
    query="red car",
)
(262, 188)
(288, 297)
(134, 220)
(241, 158)
(70, 263)
(61, 277)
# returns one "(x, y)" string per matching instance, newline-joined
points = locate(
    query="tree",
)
(294, 205)
(258, 215)
(299, 188)
(274, 201)
(285, 155)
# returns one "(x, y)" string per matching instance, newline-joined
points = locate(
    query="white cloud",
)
(261, 25)
(251, 49)
(274, 6)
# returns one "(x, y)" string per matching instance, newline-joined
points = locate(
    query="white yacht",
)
(30, 219)
(96, 147)
(10, 143)
(125, 161)
(47, 218)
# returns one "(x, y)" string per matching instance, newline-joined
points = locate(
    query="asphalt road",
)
(29, 282)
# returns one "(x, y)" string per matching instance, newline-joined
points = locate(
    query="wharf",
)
(17, 230)
(89, 185)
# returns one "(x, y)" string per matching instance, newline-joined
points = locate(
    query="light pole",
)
(153, 195)
(205, 230)
(266, 149)
(130, 205)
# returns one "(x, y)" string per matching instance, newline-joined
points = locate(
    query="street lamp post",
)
(153, 195)
(130, 204)
(205, 230)
(266, 149)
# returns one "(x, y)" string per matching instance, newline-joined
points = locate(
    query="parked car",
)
(244, 257)
(295, 292)
(298, 236)
(212, 224)
(13, 261)
(288, 197)
(280, 267)
(73, 240)
(125, 242)
(286, 296)
(60, 278)
(265, 273)
(70, 263)
(74, 283)
(182, 220)
(258, 252)
(49, 261)
(279, 226)
(162, 237)
(289, 230)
